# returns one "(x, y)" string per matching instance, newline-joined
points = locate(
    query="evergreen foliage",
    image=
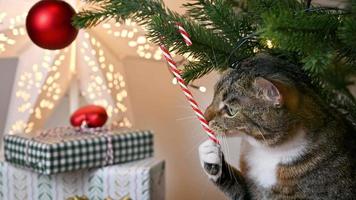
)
(224, 32)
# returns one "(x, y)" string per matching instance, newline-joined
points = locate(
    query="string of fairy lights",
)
(115, 83)
(45, 77)
(35, 80)
(144, 49)
(9, 38)
(130, 30)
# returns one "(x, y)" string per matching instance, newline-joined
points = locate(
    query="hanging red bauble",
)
(91, 116)
(48, 24)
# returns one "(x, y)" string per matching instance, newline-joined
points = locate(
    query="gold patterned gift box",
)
(139, 180)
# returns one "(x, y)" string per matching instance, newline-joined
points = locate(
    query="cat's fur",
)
(294, 145)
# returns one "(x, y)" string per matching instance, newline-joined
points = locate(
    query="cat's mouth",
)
(239, 131)
(233, 133)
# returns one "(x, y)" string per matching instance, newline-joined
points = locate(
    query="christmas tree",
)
(321, 40)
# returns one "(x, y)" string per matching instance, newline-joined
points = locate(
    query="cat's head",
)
(261, 98)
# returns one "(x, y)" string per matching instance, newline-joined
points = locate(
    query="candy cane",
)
(184, 34)
(177, 73)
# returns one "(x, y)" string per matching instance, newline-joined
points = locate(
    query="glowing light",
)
(101, 59)
(99, 80)
(3, 37)
(148, 55)
(111, 68)
(124, 33)
(117, 33)
(44, 77)
(141, 54)
(2, 17)
(95, 69)
(158, 55)
(174, 81)
(22, 31)
(85, 45)
(202, 89)
(131, 34)
(141, 40)
(106, 25)
(15, 32)
(132, 43)
(128, 22)
(269, 44)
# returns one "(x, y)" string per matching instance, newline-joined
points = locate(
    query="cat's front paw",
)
(211, 159)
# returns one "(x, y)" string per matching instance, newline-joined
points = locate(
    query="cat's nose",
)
(209, 114)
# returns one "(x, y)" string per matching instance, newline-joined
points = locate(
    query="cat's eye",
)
(230, 111)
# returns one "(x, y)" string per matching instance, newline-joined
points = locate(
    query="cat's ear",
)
(268, 91)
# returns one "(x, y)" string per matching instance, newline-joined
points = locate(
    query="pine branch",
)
(211, 51)
(87, 19)
(161, 23)
(301, 32)
(318, 62)
(220, 16)
(347, 36)
(339, 76)
(264, 6)
(197, 69)
(141, 10)
(165, 31)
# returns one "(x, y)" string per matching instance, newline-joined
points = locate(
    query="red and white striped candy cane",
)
(184, 34)
(183, 85)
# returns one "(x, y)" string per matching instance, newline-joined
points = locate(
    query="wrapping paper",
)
(139, 180)
(67, 149)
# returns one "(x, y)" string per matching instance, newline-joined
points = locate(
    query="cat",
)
(294, 146)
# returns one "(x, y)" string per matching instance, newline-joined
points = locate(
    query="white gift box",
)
(139, 180)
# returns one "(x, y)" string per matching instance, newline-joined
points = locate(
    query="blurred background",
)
(38, 88)
(116, 67)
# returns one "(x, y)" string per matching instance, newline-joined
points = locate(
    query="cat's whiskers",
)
(181, 103)
(196, 144)
(186, 118)
(224, 146)
(260, 132)
(182, 106)
(228, 153)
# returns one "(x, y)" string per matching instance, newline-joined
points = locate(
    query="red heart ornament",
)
(93, 115)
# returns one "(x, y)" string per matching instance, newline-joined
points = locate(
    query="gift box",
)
(139, 180)
(68, 149)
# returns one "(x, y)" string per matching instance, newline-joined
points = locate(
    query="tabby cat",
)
(294, 146)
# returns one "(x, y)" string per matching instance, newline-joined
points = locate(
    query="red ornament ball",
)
(49, 24)
(94, 116)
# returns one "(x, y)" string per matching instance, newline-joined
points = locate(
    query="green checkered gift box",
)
(67, 149)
